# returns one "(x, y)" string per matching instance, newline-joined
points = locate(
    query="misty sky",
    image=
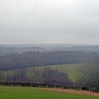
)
(49, 21)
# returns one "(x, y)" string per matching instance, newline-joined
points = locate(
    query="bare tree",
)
(88, 74)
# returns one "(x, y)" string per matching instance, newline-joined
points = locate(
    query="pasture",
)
(37, 93)
(70, 69)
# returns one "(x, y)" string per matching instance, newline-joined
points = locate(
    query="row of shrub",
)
(49, 85)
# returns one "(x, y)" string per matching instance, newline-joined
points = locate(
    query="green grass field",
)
(70, 69)
(37, 93)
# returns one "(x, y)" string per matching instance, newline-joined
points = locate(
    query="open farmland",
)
(37, 93)
(70, 69)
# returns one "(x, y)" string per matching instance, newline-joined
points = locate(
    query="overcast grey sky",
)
(49, 21)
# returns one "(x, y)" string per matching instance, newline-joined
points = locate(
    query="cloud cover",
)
(49, 21)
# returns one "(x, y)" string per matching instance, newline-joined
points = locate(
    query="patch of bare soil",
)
(73, 91)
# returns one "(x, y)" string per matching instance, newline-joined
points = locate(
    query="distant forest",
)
(36, 58)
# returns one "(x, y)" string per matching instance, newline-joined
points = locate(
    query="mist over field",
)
(49, 44)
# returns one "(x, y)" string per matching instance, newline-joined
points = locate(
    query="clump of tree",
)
(55, 76)
(2, 76)
(89, 75)
(47, 75)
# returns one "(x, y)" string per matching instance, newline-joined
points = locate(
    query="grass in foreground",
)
(37, 93)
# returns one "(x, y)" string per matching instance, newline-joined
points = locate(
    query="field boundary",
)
(80, 92)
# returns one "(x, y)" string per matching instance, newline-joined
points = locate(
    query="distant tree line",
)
(88, 75)
(33, 58)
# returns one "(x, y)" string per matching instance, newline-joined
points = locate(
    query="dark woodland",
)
(33, 58)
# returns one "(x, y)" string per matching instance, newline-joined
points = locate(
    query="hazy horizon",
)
(34, 44)
(49, 22)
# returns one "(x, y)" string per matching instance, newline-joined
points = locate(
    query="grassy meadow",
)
(37, 93)
(70, 69)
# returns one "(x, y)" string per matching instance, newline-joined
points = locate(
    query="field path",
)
(73, 91)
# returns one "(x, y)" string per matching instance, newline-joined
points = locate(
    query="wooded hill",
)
(33, 58)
